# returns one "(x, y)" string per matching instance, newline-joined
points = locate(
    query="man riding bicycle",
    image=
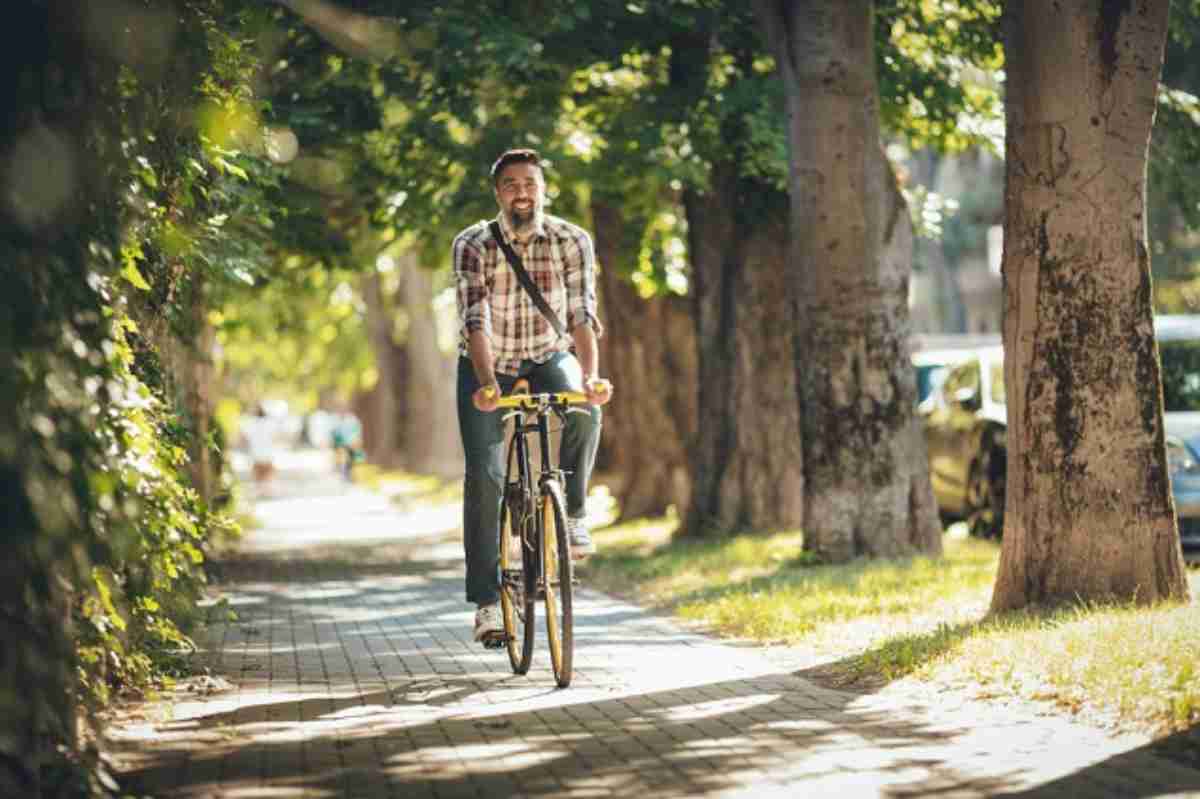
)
(510, 328)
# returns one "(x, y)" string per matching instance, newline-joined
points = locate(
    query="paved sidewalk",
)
(350, 672)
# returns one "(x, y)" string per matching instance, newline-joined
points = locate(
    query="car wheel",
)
(985, 494)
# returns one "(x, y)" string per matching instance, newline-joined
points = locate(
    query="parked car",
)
(966, 421)
(1179, 351)
(934, 354)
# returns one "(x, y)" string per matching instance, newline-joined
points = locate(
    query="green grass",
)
(868, 623)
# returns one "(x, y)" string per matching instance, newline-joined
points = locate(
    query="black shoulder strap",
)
(526, 281)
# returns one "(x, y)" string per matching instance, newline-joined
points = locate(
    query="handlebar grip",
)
(489, 392)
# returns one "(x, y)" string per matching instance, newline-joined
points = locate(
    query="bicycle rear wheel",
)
(516, 600)
(558, 572)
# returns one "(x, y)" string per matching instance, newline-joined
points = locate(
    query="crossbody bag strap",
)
(525, 280)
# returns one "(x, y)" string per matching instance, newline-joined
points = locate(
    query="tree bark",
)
(381, 412)
(746, 469)
(649, 352)
(429, 427)
(1089, 512)
(867, 490)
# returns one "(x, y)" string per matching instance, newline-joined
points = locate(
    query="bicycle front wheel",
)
(558, 572)
(516, 603)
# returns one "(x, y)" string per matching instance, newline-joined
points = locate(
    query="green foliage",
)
(1174, 168)
(168, 206)
(293, 338)
(635, 100)
(143, 594)
(938, 70)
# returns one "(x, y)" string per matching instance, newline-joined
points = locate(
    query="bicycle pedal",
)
(495, 641)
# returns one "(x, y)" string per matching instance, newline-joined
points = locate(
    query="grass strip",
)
(871, 622)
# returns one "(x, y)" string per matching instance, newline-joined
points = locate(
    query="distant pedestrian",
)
(258, 435)
(346, 438)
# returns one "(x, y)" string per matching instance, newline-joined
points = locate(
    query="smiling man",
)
(503, 337)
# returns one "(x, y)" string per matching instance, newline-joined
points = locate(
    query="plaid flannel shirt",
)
(562, 263)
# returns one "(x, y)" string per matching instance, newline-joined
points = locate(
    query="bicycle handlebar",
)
(533, 401)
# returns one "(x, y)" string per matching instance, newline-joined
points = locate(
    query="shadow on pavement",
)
(744, 731)
(408, 707)
(436, 718)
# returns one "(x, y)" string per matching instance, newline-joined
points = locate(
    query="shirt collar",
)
(539, 225)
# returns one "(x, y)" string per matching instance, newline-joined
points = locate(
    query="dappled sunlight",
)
(355, 661)
(497, 757)
(400, 693)
(251, 791)
(323, 592)
(717, 707)
(240, 600)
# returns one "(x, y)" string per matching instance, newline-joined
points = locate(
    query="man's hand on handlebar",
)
(598, 390)
(486, 397)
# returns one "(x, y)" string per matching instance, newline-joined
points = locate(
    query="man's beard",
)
(521, 220)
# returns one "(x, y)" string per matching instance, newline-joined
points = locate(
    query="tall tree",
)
(1089, 513)
(429, 429)
(867, 488)
(651, 355)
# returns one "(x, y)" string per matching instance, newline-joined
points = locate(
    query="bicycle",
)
(535, 553)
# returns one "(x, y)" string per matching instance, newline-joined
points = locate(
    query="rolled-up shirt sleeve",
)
(579, 277)
(474, 307)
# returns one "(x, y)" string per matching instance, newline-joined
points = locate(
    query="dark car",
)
(965, 423)
(1179, 350)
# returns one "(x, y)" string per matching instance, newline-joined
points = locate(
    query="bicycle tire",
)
(516, 598)
(558, 571)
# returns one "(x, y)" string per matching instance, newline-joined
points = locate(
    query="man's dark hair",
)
(518, 156)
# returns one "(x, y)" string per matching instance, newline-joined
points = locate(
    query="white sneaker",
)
(488, 621)
(580, 538)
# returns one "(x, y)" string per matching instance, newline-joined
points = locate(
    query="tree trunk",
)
(746, 469)
(1089, 512)
(429, 427)
(381, 414)
(649, 352)
(867, 490)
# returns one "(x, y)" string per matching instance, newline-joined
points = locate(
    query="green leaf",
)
(133, 276)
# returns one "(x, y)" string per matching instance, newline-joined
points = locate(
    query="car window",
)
(1180, 374)
(962, 378)
(927, 377)
(996, 371)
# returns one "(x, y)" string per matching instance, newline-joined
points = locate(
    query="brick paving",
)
(349, 671)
